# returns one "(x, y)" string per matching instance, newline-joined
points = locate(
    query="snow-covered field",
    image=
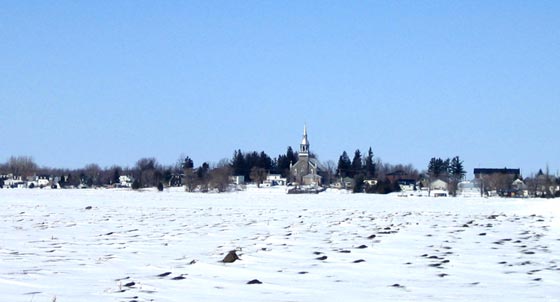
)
(168, 246)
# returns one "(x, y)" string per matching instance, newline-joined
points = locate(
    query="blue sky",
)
(110, 82)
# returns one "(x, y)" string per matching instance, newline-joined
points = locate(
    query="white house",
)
(346, 183)
(42, 181)
(12, 181)
(438, 184)
(407, 185)
(520, 187)
(438, 188)
(125, 181)
(275, 180)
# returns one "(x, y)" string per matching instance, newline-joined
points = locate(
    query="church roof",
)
(310, 160)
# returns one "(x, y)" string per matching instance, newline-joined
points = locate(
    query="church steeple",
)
(304, 146)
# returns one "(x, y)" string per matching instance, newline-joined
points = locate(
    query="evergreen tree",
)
(62, 181)
(356, 164)
(283, 162)
(456, 169)
(456, 172)
(202, 175)
(384, 187)
(292, 156)
(264, 161)
(72, 180)
(251, 160)
(238, 163)
(358, 183)
(202, 171)
(274, 167)
(438, 168)
(187, 163)
(167, 175)
(116, 178)
(344, 165)
(136, 184)
(283, 165)
(369, 165)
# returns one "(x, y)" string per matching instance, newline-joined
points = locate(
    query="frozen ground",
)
(375, 248)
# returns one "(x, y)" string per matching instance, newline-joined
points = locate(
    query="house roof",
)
(314, 162)
(489, 171)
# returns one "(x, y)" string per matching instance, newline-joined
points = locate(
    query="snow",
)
(54, 247)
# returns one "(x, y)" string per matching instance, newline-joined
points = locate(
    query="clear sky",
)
(110, 82)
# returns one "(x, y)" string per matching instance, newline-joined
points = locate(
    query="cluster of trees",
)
(543, 184)
(204, 177)
(147, 173)
(358, 168)
(253, 166)
(364, 169)
(540, 185)
(451, 171)
(23, 166)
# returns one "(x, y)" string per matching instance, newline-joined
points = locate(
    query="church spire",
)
(304, 146)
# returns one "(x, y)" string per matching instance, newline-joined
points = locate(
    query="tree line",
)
(367, 172)
(147, 172)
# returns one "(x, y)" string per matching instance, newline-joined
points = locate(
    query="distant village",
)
(299, 172)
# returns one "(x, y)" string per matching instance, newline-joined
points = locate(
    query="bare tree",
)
(329, 173)
(498, 182)
(23, 166)
(148, 172)
(548, 184)
(258, 175)
(4, 169)
(190, 179)
(92, 173)
(220, 178)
